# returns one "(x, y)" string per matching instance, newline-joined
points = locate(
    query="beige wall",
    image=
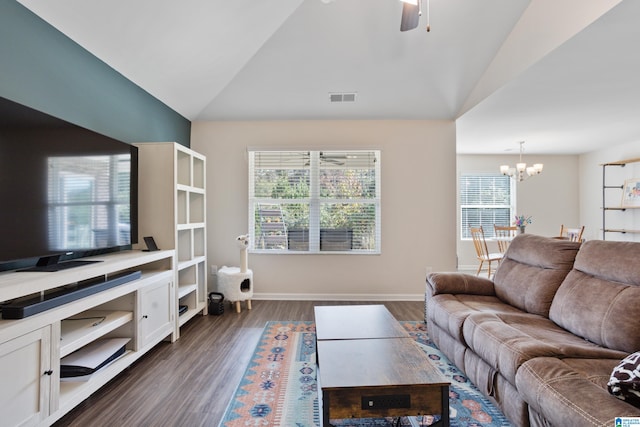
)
(551, 198)
(418, 206)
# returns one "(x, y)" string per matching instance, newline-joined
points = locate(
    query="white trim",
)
(317, 147)
(337, 297)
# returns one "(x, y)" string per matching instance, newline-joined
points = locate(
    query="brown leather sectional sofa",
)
(542, 338)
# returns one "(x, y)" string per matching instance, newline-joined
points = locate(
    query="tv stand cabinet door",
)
(155, 319)
(27, 377)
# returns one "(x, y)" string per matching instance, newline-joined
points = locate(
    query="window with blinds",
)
(485, 200)
(315, 201)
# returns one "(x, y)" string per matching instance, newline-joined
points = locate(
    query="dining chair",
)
(572, 234)
(504, 235)
(482, 252)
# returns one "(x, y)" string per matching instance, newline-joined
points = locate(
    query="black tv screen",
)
(64, 190)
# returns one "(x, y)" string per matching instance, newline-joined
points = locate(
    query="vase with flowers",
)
(521, 222)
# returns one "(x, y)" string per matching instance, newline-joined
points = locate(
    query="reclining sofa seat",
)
(491, 329)
(600, 301)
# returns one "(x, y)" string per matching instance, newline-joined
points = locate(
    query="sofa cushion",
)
(624, 382)
(449, 311)
(564, 391)
(452, 348)
(499, 390)
(505, 341)
(458, 283)
(596, 299)
(532, 270)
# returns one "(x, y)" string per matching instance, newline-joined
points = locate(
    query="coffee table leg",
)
(325, 409)
(445, 406)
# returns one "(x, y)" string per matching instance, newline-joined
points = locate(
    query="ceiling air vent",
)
(342, 97)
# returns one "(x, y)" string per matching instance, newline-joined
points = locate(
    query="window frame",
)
(489, 233)
(314, 201)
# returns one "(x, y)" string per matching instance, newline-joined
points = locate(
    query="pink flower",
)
(522, 220)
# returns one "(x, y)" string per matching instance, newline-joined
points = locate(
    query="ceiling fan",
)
(336, 159)
(411, 12)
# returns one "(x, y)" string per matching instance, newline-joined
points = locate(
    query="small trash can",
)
(216, 304)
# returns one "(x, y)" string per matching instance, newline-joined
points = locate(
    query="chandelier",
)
(521, 168)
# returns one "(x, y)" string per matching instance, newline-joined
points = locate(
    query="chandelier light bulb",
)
(521, 171)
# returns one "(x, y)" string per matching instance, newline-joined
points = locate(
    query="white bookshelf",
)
(172, 209)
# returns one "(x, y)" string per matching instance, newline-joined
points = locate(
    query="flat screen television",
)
(65, 192)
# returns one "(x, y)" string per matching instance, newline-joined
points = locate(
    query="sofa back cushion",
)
(599, 299)
(532, 270)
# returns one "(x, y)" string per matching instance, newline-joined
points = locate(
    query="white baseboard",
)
(337, 297)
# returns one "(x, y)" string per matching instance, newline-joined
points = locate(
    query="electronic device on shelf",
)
(33, 304)
(151, 244)
(67, 192)
(52, 263)
(79, 366)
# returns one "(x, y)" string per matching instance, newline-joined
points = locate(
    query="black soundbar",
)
(30, 305)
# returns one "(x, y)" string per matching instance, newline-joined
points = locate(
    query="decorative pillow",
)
(625, 380)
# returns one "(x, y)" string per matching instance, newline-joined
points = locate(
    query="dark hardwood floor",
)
(190, 382)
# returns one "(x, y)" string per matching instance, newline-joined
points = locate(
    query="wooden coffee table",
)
(364, 376)
(344, 322)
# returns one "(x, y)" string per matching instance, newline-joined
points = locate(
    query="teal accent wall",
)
(42, 68)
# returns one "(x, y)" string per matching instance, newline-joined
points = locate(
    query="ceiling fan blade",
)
(410, 16)
(332, 161)
(332, 158)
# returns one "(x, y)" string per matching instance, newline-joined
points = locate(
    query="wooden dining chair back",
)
(504, 235)
(572, 234)
(482, 251)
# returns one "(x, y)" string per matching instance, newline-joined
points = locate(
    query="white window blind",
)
(485, 200)
(315, 201)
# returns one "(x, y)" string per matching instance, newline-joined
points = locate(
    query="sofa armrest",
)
(458, 283)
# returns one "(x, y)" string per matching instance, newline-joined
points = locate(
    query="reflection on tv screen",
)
(88, 202)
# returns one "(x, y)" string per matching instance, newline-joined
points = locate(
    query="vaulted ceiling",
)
(561, 74)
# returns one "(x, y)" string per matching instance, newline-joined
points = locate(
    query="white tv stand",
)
(142, 310)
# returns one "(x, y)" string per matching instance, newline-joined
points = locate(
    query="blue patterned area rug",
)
(279, 386)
